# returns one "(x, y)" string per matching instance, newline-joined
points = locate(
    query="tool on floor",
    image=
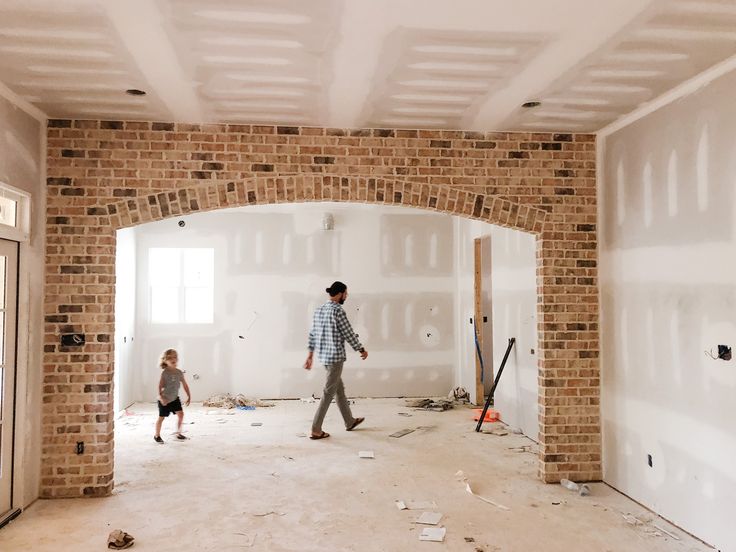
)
(495, 384)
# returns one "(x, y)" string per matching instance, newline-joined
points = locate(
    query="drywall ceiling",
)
(466, 64)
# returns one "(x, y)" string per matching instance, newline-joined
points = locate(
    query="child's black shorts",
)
(170, 408)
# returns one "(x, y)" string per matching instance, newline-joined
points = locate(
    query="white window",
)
(15, 209)
(181, 284)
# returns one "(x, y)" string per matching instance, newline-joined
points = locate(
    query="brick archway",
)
(305, 188)
(90, 197)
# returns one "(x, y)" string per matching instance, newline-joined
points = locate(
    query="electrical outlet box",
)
(724, 352)
(80, 447)
(72, 340)
(650, 463)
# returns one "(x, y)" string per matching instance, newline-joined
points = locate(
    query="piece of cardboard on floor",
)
(401, 433)
(366, 454)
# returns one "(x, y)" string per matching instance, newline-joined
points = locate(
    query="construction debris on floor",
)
(120, 540)
(433, 534)
(226, 400)
(582, 490)
(401, 433)
(461, 477)
(436, 405)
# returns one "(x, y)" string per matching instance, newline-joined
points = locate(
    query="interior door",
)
(8, 310)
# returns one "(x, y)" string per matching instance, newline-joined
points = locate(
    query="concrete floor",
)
(234, 486)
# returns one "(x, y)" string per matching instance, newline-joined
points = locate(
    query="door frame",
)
(14, 509)
(483, 319)
(27, 239)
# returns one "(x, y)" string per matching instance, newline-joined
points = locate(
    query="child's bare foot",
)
(158, 439)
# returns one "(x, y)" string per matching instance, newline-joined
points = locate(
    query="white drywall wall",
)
(514, 314)
(22, 165)
(125, 300)
(668, 293)
(514, 301)
(272, 264)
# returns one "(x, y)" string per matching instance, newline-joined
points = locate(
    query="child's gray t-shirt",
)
(172, 381)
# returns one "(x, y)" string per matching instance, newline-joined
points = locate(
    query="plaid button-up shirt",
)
(330, 330)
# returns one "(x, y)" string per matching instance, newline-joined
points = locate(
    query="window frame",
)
(181, 289)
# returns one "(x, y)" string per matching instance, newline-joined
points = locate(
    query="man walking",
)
(330, 330)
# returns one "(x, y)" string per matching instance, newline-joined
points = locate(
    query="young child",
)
(168, 393)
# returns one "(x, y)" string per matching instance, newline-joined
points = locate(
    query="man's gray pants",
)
(334, 388)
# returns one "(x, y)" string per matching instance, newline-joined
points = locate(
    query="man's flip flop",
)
(322, 435)
(356, 423)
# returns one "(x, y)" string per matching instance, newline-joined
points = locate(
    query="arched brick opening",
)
(80, 292)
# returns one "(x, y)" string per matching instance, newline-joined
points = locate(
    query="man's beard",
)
(342, 301)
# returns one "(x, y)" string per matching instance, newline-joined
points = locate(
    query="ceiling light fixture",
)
(529, 105)
(135, 92)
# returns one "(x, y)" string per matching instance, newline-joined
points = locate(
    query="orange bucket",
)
(491, 415)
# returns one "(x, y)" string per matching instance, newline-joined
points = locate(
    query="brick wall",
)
(104, 175)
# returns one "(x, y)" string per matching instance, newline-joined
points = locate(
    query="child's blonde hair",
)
(166, 355)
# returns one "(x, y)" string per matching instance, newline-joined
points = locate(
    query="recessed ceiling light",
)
(467, 50)
(454, 66)
(258, 42)
(236, 16)
(438, 98)
(533, 103)
(281, 79)
(135, 92)
(446, 84)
